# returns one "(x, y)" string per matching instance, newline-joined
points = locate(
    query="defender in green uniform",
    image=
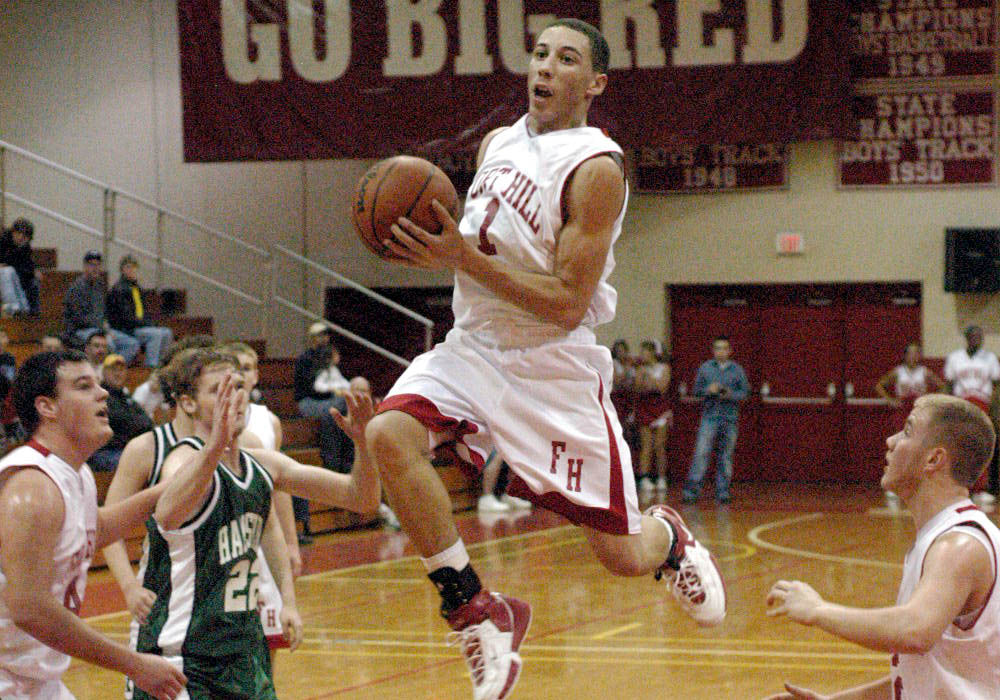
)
(214, 512)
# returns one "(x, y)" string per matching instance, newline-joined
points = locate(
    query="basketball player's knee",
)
(620, 561)
(385, 443)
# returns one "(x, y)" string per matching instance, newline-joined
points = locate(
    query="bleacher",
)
(276, 384)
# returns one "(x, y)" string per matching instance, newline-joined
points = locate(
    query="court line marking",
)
(616, 631)
(604, 649)
(754, 537)
(618, 661)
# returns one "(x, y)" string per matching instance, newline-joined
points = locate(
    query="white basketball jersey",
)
(911, 382)
(965, 662)
(514, 210)
(972, 377)
(259, 423)
(24, 659)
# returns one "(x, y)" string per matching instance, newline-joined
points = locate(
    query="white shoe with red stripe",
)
(692, 573)
(489, 630)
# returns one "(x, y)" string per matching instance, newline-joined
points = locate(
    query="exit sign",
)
(790, 243)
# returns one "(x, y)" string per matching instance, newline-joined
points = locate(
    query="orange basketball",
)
(395, 187)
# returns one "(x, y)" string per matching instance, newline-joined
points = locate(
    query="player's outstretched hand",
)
(795, 599)
(139, 601)
(360, 410)
(224, 414)
(794, 693)
(428, 250)
(159, 677)
(291, 624)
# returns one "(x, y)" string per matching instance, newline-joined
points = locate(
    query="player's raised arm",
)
(359, 491)
(188, 472)
(595, 200)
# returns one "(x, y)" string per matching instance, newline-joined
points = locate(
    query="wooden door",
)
(801, 368)
(880, 320)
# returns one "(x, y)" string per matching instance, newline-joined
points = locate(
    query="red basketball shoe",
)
(489, 630)
(693, 575)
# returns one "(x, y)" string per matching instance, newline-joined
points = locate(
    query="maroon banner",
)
(364, 79)
(930, 137)
(923, 38)
(715, 168)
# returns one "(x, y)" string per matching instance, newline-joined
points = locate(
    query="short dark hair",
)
(600, 54)
(127, 260)
(94, 335)
(717, 338)
(38, 376)
(23, 226)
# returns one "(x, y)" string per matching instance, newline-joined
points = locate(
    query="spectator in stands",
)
(653, 416)
(722, 384)
(52, 343)
(84, 310)
(126, 309)
(15, 251)
(126, 417)
(308, 365)
(96, 349)
(972, 374)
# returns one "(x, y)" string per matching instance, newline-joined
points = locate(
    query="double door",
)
(813, 354)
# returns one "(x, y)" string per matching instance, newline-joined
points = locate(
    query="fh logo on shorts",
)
(574, 467)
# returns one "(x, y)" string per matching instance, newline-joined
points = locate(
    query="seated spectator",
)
(126, 417)
(308, 365)
(126, 309)
(52, 343)
(20, 281)
(96, 349)
(84, 310)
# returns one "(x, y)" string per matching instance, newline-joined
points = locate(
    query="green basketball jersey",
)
(205, 573)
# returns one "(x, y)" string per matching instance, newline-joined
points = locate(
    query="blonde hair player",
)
(522, 371)
(944, 631)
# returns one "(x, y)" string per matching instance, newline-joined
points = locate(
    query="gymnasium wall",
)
(94, 84)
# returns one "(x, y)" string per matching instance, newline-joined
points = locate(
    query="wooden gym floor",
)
(372, 628)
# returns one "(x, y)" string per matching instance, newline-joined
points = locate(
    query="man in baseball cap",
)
(84, 311)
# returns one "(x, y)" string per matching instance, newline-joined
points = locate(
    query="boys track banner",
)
(302, 79)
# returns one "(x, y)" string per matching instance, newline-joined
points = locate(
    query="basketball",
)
(395, 187)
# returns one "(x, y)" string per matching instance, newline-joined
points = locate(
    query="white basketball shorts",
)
(269, 605)
(546, 409)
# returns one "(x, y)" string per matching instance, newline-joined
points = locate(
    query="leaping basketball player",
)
(522, 370)
(944, 631)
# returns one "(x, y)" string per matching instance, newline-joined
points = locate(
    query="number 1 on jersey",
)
(484, 242)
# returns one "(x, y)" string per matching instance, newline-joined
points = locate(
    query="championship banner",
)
(929, 137)
(923, 38)
(296, 79)
(715, 168)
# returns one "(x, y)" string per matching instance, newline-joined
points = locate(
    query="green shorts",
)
(239, 677)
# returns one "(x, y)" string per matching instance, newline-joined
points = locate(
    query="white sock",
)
(455, 557)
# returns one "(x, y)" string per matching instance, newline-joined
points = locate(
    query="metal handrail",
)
(263, 252)
(83, 228)
(344, 332)
(214, 283)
